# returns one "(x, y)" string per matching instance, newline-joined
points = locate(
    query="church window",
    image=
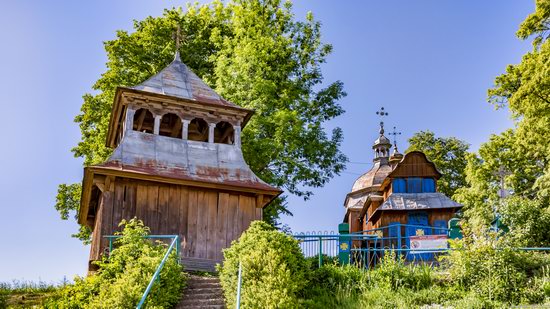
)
(198, 130)
(143, 121)
(428, 185)
(224, 133)
(170, 125)
(398, 185)
(414, 185)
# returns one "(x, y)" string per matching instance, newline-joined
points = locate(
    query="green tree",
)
(254, 53)
(449, 156)
(480, 195)
(523, 151)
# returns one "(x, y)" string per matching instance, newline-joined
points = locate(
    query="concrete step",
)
(205, 285)
(201, 302)
(196, 264)
(197, 279)
(201, 307)
(202, 292)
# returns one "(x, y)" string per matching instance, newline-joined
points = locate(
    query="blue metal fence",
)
(366, 248)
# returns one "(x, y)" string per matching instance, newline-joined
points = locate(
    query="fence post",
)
(399, 239)
(320, 251)
(344, 244)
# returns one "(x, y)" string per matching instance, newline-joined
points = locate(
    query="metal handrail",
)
(239, 283)
(157, 273)
(113, 237)
(174, 243)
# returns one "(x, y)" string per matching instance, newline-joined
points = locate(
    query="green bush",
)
(480, 272)
(124, 276)
(494, 271)
(274, 270)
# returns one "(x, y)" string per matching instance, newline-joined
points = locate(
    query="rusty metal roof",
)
(179, 81)
(162, 156)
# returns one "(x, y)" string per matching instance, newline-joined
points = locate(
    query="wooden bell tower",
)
(177, 165)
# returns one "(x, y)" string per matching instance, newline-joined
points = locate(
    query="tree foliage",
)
(523, 151)
(254, 53)
(449, 156)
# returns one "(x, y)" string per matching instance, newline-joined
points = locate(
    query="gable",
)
(415, 164)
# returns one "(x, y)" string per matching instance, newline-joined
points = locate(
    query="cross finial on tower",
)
(177, 38)
(382, 113)
(395, 133)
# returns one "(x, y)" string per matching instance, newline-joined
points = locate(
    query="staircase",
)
(202, 292)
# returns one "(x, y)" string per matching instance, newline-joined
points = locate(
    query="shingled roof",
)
(179, 81)
(416, 201)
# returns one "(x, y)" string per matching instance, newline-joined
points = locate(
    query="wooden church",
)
(399, 190)
(177, 165)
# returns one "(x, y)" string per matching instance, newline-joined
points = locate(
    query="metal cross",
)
(382, 113)
(395, 133)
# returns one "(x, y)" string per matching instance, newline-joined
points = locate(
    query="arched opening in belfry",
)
(170, 125)
(143, 121)
(198, 130)
(224, 133)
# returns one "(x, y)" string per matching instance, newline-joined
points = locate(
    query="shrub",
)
(492, 270)
(123, 277)
(273, 269)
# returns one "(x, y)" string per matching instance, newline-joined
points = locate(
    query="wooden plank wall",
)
(206, 220)
(414, 165)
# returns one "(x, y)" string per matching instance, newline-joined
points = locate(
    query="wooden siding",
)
(415, 164)
(206, 220)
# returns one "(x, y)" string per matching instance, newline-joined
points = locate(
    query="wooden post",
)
(211, 127)
(129, 122)
(237, 130)
(185, 129)
(156, 129)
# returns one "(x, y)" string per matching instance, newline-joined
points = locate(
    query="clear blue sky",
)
(428, 62)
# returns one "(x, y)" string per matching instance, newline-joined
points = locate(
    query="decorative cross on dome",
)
(395, 133)
(382, 113)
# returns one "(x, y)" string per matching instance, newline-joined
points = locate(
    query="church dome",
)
(373, 177)
(382, 140)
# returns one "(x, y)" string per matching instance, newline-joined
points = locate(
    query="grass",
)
(26, 294)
